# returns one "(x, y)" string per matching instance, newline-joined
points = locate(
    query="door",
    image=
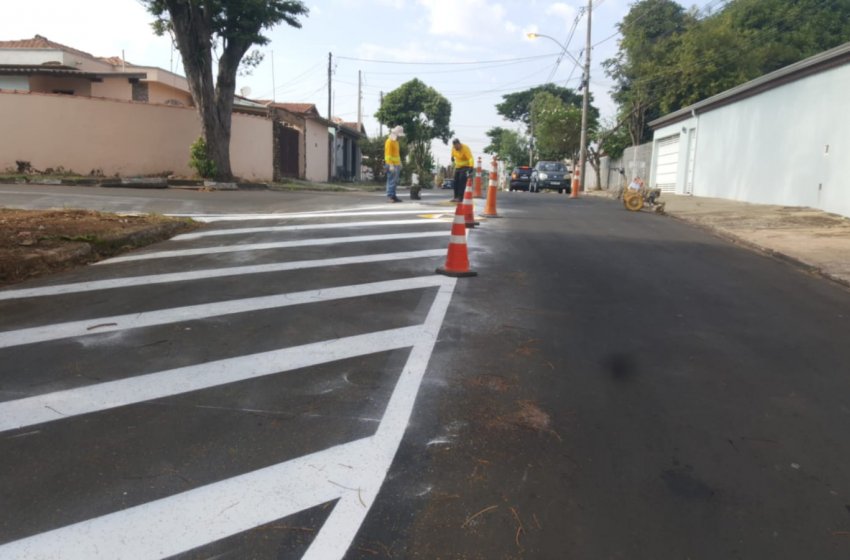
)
(288, 140)
(667, 163)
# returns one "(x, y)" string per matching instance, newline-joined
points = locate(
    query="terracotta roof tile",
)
(39, 42)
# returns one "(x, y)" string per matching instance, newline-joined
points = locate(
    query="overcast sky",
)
(441, 33)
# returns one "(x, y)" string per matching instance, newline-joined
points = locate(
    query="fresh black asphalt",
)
(611, 385)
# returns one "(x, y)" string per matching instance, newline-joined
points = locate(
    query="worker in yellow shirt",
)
(392, 162)
(463, 162)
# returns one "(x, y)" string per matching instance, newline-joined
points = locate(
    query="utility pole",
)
(359, 100)
(331, 139)
(380, 124)
(274, 89)
(582, 161)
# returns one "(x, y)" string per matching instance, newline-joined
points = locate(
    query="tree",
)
(557, 127)
(610, 140)
(424, 114)
(230, 27)
(508, 145)
(373, 155)
(516, 107)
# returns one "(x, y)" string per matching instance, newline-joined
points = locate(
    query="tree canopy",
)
(517, 106)
(227, 28)
(507, 145)
(670, 58)
(424, 113)
(557, 127)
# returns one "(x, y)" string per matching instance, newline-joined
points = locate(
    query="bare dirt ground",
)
(38, 242)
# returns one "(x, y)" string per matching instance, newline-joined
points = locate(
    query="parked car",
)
(448, 184)
(550, 175)
(520, 178)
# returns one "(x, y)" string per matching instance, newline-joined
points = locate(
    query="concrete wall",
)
(636, 161)
(49, 84)
(113, 88)
(784, 146)
(83, 134)
(161, 93)
(317, 152)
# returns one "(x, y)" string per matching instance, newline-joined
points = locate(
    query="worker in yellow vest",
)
(463, 162)
(392, 162)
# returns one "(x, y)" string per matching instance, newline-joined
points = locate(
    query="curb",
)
(142, 183)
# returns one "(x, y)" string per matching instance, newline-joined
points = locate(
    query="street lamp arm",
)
(557, 42)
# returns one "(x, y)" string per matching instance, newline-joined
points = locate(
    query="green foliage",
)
(199, 160)
(425, 114)
(517, 106)
(373, 155)
(508, 145)
(670, 58)
(557, 127)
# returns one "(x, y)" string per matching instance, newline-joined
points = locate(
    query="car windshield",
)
(552, 167)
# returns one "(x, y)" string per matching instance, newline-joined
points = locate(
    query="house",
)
(779, 139)
(40, 65)
(311, 147)
(65, 108)
(347, 155)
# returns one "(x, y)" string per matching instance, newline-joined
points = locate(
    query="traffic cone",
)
(576, 183)
(477, 192)
(490, 206)
(457, 259)
(468, 206)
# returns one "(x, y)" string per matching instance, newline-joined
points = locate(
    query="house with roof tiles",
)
(40, 65)
(74, 110)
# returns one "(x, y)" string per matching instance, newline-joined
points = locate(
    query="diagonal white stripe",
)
(352, 472)
(100, 325)
(274, 245)
(194, 518)
(103, 396)
(209, 218)
(302, 227)
(78, 287)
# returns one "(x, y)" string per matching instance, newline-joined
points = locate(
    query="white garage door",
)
(667, 163)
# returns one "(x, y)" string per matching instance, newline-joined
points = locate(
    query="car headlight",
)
(544, 176)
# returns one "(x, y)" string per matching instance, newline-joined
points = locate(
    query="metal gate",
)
(288, 140)
(667, 163)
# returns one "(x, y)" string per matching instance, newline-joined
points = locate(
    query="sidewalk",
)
(815, 240)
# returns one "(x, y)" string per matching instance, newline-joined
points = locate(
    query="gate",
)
(288, 140)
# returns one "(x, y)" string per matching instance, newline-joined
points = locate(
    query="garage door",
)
(667, 163)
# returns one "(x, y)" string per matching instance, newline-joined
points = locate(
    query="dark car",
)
(520, 178)
(448, 184)
(550, 175)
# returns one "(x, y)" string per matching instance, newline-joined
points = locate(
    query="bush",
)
(199, 160)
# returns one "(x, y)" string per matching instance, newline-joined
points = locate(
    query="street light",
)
(557, 42)
(585, 98)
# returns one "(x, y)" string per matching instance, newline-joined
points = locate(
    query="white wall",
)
(772, 148)
(317, 151)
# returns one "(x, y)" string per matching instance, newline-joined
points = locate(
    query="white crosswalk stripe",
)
(349, 473)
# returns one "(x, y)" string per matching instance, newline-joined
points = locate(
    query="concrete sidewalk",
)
(816, 240)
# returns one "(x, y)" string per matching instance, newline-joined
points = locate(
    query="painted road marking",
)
(209, 218)
(191, 519)
(274, 245)
(102, 325)
(59, 405)
(303, 227)
(95, 285)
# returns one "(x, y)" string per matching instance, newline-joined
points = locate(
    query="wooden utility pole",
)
(359, 100)
(582, 161)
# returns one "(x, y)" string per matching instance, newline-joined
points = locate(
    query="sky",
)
(471, 51)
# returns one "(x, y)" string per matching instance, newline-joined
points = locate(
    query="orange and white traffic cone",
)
(457, 260)
(468, 206)
(576, 184)
(477, 192)
(490, 206)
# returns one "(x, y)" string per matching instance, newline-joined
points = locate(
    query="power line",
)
(446, 63)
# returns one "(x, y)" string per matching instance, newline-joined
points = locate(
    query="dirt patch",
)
(38, 242)
(491, 382)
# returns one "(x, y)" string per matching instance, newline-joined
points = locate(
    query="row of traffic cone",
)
(457, 260)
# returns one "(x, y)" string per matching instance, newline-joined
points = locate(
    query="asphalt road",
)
(611, 385)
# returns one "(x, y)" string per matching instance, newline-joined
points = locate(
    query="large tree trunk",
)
(193, 35)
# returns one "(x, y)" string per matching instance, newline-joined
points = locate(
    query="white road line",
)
(352, 472)
(303, 227)
(208, 218)
(345, 520)
(126, 282)
(274, 245)
(194, 518)
(101, 325)
(103, 396)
